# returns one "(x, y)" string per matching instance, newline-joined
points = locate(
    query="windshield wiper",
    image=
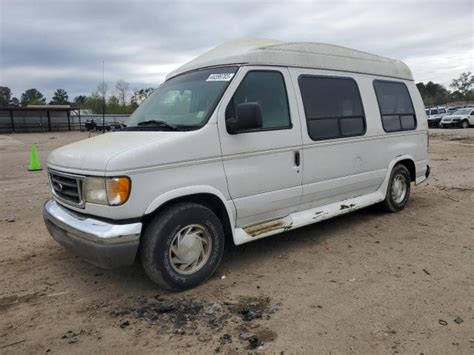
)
(157, 123)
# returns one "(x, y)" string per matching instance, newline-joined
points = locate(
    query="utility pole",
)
(103, 97)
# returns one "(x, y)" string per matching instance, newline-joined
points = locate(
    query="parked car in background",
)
(117, 126)
(461, 118)
(451, 110)
(91, 125)
(434, 115)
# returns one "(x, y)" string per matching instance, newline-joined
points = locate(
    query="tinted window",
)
(332, 106)
(395, 106)
(434, 111)
(391, 123)
(268, 89)
(408, 121)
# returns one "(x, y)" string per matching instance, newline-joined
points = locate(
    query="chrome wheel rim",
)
(399, 188)
(190, 249)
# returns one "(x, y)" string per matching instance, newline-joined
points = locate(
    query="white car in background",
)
(434, 115)
(461, 118)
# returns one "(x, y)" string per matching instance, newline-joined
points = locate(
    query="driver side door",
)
(262, 166)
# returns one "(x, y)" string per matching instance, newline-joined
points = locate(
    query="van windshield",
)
(184, 102)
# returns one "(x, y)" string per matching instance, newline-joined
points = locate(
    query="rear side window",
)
(332, 106)
(396, 108)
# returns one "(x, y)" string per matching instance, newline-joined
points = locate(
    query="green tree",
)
(94, 102)
(113, 105)
(433, 93)
(32, 97)
(464, 85)
(14, 102)
(60, 97)
(140, 95)
(80, 100)
(5, 96)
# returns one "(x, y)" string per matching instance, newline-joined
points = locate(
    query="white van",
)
(251, 139)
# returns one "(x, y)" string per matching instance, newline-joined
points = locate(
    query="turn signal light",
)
(118, 190)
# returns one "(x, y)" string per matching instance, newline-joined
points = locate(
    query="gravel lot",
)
(367, 282)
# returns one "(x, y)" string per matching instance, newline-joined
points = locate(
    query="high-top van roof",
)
(297, 54)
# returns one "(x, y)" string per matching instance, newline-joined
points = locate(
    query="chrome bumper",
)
(103, 244)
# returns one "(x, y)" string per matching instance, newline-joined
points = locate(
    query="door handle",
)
(297, 158)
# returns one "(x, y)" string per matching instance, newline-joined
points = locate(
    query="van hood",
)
(92, 155)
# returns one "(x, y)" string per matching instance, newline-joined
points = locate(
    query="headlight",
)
(113, 191)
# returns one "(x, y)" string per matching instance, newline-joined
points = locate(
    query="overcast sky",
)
(50, 44)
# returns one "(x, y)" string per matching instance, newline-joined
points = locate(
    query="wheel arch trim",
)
(190, 191)
(392, 164)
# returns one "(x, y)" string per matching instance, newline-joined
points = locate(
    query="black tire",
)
(390, 204)
(464, 124)
(156, 243)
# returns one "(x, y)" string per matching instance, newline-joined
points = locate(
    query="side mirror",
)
(248, 117)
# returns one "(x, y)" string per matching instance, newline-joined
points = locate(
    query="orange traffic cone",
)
(35, 163)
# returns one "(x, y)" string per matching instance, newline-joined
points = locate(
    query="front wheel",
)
(465, 124)
(182, 246)
(398, 190)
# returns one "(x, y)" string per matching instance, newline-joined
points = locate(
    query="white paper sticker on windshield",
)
(220, 77)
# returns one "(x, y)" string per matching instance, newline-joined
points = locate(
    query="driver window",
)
(268, 89)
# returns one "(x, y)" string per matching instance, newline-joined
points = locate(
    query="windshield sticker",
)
(220, 77)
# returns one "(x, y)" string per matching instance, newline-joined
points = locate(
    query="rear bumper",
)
(103, 244)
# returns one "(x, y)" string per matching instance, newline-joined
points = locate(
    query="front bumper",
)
(103, 244)
(434, 122)
(450, 123)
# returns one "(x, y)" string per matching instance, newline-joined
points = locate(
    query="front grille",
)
(67, 187)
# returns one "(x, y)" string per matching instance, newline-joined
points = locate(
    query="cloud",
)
(58, 43)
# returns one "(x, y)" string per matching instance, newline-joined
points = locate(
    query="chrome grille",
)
(67, 187)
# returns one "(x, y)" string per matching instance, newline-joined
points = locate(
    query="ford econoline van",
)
(251, 139)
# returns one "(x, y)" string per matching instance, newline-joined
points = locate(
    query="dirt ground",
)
(367, 282)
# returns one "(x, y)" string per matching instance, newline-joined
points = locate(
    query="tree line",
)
(124, 100)
(434, 94)
(120, 100)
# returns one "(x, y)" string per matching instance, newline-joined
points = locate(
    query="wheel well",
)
(410, 165)
(211, 201)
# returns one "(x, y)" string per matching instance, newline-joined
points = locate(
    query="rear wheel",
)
(182, 246)
(465, 124)
(398, 190)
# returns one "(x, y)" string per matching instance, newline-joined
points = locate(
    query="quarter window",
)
(268, 89)
(396, 108)
(332, 106)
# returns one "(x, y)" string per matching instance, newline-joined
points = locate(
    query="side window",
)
(396, 108)
(332, 106)
(269, 90)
